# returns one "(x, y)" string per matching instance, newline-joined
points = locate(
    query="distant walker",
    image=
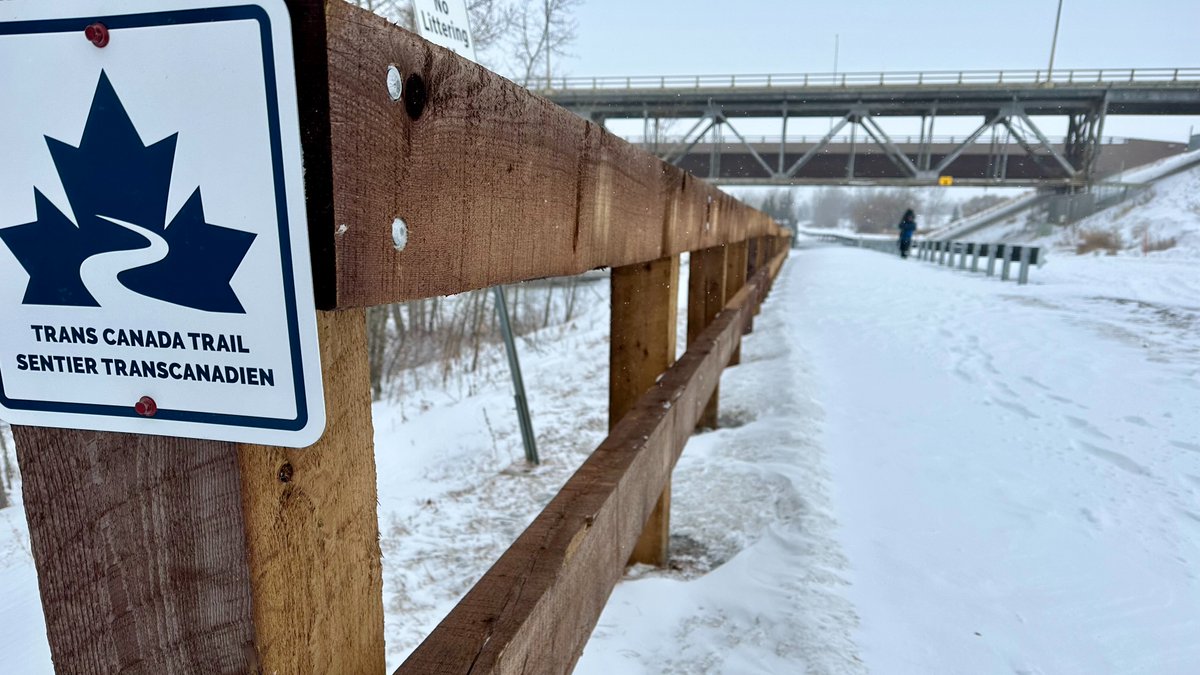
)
(908, 225)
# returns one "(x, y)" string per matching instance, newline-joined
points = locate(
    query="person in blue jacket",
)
(908, 225)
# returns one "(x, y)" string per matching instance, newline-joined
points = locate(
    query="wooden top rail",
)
(534, 610)
(493, 183)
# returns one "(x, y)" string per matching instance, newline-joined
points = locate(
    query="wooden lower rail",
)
(535, 609)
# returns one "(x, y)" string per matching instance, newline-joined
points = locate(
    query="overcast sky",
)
(664, 37)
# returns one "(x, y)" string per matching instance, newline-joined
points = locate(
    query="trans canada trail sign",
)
(154, 262)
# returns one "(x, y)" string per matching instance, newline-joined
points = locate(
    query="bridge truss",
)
(1005, 101)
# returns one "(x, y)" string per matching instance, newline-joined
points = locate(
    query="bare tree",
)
(542, 30)
(399, 12)
(377, 345)
(780, 204)
(829, 206)
(879, 209)
(491, 20)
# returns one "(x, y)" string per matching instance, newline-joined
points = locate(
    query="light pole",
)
(1054, 43)
(836, 36)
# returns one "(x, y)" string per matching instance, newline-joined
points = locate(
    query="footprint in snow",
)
(1017, 408)
(1115, 458)
(1087, 427)
(1092, 518)
(1035, 383)
(1182, 445)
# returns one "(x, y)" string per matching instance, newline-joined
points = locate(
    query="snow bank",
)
(758, 578)
(1167, 211)
(1162, 220)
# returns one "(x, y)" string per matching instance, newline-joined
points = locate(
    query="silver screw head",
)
(395, 83)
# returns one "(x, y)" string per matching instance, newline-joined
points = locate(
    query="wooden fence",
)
(166, 555)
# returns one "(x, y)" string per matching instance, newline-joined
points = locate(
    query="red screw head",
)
(97, 34)
(146, 407)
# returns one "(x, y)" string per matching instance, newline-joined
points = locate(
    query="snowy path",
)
(936, 472)
(1016, 470)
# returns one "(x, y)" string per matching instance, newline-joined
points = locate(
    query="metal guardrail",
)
(944, 253)
(947, 252)
(1113, 76)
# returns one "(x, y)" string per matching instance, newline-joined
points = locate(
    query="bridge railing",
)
(1165, 76)
(776, 139)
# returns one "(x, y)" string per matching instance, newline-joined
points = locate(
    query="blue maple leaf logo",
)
(117, 187)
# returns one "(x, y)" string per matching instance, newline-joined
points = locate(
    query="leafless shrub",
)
(1108, 241)
(829, 206)
(1152, 245)
(457, 332)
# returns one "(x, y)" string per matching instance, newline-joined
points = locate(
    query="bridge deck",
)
(1158, 91)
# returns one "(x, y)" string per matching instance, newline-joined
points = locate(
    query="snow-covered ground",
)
(22, 627)
(920, 470)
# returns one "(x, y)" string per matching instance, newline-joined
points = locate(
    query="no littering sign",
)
(154, 272)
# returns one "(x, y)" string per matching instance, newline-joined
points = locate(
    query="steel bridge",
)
(1006, 148)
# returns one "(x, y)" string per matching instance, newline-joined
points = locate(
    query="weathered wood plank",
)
(777, 263)
(494, 183)
(312, 529)
(736, 260)
(641, 348)
(706, 298)
(160, 555)
(534, 610)
(759, 258)
(139, 548)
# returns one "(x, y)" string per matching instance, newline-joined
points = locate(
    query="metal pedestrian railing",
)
(846, 139)
(1111, 76)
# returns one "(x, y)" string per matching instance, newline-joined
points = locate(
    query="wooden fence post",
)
(706, 298)
(160, 554)
(759, 261)
(316, 569)
(735, 278)
(644, 303)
